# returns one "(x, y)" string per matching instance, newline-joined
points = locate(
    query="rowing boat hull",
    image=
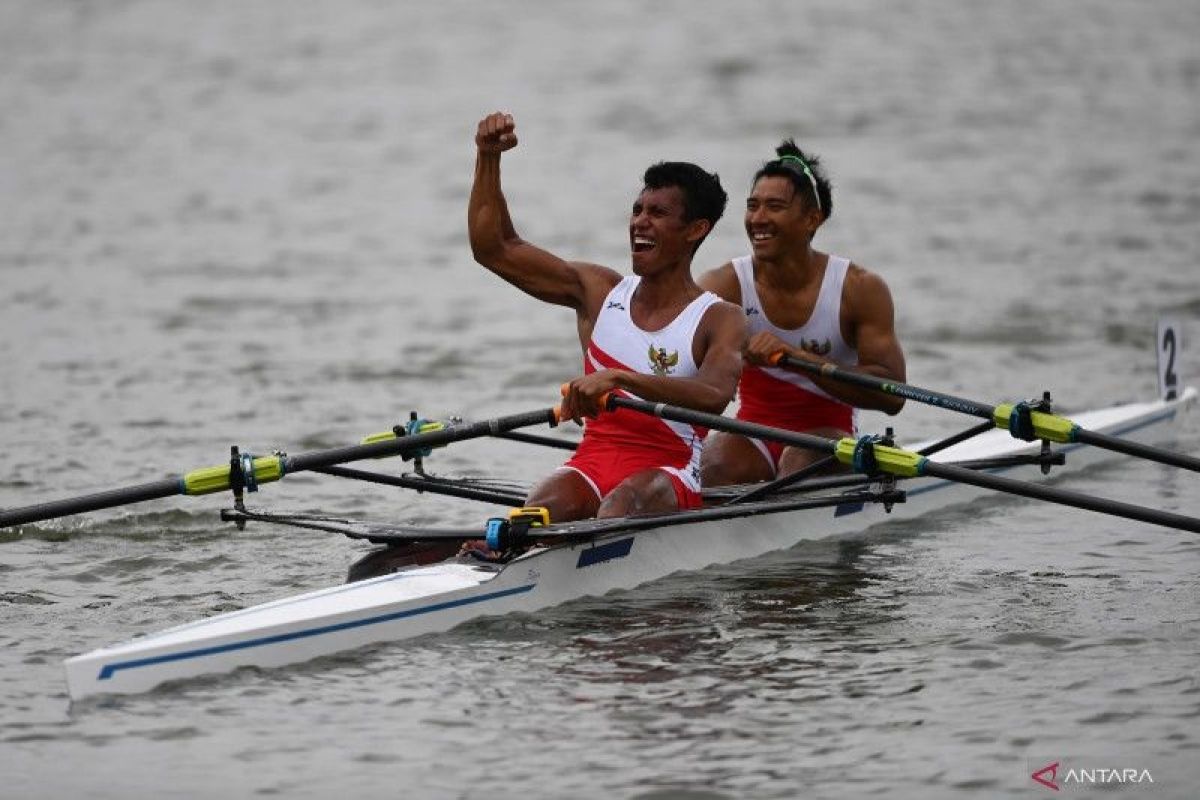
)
(438, 597)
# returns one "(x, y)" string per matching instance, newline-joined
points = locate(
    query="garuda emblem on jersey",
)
(662, 363)
(815, 347)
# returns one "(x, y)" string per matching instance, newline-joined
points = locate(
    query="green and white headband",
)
(791, 159)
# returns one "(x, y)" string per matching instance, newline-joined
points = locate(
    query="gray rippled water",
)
(244, 223)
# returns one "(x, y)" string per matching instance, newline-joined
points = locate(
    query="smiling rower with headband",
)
(813, 306)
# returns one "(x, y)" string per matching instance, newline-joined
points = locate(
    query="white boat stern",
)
(282, 632)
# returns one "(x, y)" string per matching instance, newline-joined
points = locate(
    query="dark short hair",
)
(703, 197)
(785, 166)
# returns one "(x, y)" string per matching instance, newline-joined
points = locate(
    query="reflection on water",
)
(722, 623)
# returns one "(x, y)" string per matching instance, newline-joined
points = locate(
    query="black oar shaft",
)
(925, 467)
(450, 489)
(532, 438)
(1066, 497)
(720, 423)
(217, 478)
(419, 441)
(1129, 448)
(1074, 433)
(579, 529)
(914, 393)
(958, 438)
(157, 490)
(777, 485)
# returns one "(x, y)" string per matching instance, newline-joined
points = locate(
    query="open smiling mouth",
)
(642, 244)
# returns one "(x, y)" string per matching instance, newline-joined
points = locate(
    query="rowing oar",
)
(867, 456)
(265, 469)
(527, 526)
(427, 483)
(1008, 416)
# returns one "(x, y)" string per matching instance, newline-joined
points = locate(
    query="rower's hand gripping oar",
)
(254, 470)
(866, 455)
(1019, 419)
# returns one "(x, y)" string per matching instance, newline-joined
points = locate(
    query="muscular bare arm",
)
(722, 282)
(496, 245)
(718, 351)
(867, 306)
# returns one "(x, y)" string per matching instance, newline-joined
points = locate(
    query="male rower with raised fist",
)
(655, 335)
(813, 306)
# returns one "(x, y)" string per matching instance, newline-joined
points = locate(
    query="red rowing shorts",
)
(604, 466)
(816, 412)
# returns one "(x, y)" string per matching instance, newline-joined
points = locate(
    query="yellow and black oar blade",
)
(271, 468)
(1040, 425)
(868, 456)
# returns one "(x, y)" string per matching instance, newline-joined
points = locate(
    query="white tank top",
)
(618, 343)
(821, 335)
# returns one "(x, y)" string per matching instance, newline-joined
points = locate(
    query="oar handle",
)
(602, 402)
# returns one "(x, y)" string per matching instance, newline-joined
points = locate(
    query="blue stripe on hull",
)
(605, 552)
(842, 509)
(111, 669)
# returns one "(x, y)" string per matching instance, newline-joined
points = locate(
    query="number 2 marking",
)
(1168, 347)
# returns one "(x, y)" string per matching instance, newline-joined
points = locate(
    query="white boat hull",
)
(436, 598)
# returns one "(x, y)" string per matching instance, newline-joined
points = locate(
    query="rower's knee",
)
(716, 473)
(795, 459)
(648, 492)
(566, 495)
(729, 459)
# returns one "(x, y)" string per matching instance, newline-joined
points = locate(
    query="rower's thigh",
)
(728, 459)
(650, 491)
(795, 459)
(567, 495)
